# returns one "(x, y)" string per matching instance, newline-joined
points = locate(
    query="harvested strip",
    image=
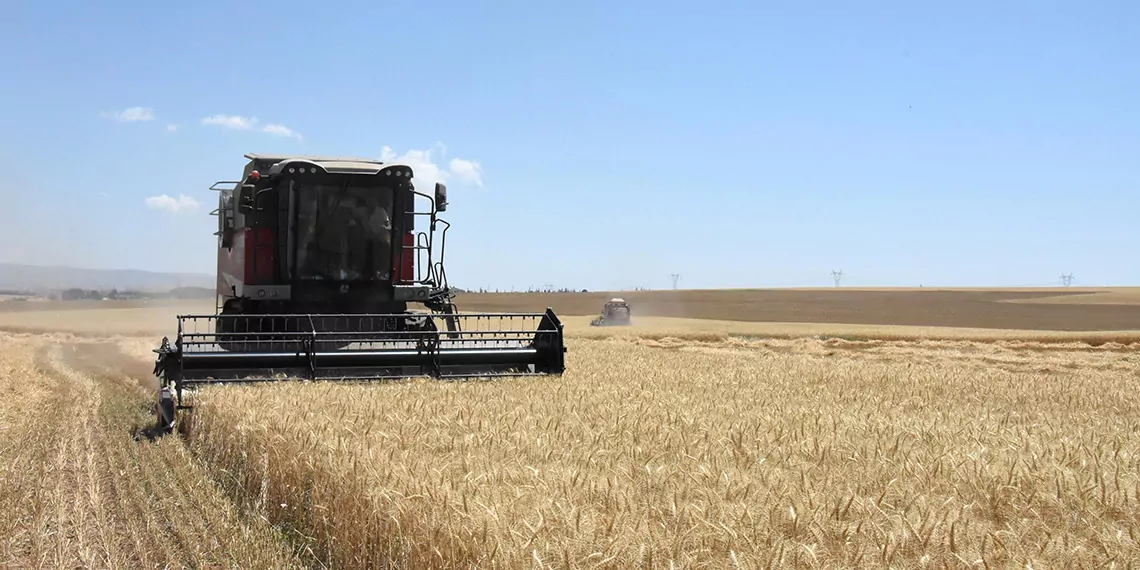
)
(76, 490)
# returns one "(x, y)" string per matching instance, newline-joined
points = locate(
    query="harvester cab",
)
(614, 313)
(319, 260)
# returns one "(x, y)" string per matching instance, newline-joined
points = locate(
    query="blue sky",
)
(601, 145)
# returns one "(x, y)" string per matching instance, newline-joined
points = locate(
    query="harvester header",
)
(319, 259)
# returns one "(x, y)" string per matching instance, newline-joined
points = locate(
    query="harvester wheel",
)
(417, 323)
(268, 334)
(284, 335)
(229, 324)
(165, 409)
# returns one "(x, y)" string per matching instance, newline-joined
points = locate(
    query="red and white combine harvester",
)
(319, 259)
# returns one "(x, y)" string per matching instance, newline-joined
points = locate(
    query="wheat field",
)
(677, 443)
(682, 454)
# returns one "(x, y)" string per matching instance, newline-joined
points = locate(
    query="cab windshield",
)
(344, 232)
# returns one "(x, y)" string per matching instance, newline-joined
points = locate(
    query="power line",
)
(837, 275)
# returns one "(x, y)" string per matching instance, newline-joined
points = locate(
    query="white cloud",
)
(467, 171)
(427, 172)
(231, 122)
(131, 115)
(280, 131)
(240, 123)
(171, 128)
(183, 203)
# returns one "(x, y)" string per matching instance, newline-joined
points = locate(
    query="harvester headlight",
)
(292, 170)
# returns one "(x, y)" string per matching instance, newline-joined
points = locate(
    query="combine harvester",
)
(318, 260)
(615, 313)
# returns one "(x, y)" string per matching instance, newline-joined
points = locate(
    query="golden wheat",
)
(704, 454)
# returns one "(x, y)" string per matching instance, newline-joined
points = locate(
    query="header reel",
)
(352, 348)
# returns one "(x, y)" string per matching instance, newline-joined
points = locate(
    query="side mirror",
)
(440, 197)
(226, 221)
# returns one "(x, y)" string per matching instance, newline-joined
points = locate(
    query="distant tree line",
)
(546, 289)
(528, 290)
(78, 294)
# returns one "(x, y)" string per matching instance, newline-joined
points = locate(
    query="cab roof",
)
(330, 163)
(312, 157)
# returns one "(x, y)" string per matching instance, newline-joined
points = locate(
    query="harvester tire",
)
(280, 339)
(165, 411)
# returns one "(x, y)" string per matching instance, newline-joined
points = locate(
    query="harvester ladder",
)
(430, 273)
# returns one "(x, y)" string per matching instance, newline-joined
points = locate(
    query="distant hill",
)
(20, 277)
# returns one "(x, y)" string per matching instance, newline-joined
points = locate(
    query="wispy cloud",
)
(281, 131)
(236, 122)
(171, 128)
(241, 123)
(178, 205)
(131, 115)
(467, 171)
(426, 171)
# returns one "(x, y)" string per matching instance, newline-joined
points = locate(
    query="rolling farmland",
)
(726, 429)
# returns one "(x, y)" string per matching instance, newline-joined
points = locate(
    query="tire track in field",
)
(25, 441)
(80, 492)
